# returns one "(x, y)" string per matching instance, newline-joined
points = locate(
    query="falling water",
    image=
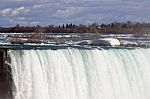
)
(81, 74)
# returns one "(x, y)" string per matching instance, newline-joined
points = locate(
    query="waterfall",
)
(81, 74)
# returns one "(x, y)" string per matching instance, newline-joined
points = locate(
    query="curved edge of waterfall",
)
(6, 78)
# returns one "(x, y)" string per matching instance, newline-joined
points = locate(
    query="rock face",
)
(112, 41)
(5, 76)
(106, 42)
(101, 42)
(84, 42)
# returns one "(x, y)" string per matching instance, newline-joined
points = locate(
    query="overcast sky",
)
(45, 12)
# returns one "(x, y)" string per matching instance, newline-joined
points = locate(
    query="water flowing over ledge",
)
(81, 74)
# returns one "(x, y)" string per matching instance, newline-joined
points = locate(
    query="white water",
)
(81, 74)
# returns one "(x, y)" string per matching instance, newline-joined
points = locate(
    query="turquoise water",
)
(81, 74)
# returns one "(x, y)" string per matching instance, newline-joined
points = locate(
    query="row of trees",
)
(114, 27)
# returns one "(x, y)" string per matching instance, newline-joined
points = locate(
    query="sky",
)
(58, 12)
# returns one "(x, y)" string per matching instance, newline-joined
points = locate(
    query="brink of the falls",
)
(81, 74)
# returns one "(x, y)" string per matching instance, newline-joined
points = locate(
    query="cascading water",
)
(81, 74)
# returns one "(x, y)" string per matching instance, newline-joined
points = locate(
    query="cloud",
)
(34, 23)
(14, 11)
(14, 0)
(20, 19)
(67, 11)
(6, 12)
(20, 10)
(45, 12)
(38, 6)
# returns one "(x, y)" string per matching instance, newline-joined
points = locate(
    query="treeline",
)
(114, 27)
